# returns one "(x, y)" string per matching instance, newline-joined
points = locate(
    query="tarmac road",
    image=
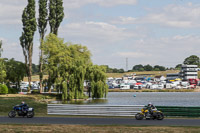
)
(98, 121)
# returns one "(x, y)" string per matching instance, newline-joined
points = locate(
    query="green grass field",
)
(7, 103)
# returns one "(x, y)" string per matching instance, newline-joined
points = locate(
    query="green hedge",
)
(180, 111)
(3, 89)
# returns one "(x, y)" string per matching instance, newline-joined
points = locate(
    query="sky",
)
(155, 32)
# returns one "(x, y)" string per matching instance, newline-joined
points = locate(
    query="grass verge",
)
(7, 103)
(95, 129)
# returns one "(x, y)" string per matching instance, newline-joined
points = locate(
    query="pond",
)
(143, 98)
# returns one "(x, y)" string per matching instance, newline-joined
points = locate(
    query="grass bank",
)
(95, 129)
(39, 102)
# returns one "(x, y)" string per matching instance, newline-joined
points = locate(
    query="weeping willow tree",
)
(80, 56)
(68, 66)
(96, 76)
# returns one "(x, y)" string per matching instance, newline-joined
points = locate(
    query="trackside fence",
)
(118, 110)
(94, 110)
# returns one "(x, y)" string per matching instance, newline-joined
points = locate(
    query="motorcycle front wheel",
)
(139, 116)
(30, 114)
(12, 114)
(160, 116)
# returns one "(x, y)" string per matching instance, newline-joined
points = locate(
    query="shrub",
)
(3, 89)
(12, 91)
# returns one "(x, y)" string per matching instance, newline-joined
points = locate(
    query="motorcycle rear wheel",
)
(30, 114)
(160, 116)
(139, 116)
(12, 114)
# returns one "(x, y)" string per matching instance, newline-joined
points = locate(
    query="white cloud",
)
(106, 3)
(10, 11)
(181, 16)
(97, 31)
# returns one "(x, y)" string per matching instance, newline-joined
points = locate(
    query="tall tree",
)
(42, 24)
(69, 65)
(55, 54)
(2, 66)
(15, 71)
(148, 68)
(138, 68)
(192, 60)
(96, 76)
(56, 15)
(26, 40)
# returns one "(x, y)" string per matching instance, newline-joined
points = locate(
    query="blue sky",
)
(155, 32)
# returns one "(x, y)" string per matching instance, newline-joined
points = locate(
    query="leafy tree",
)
(56, 15)
(15, 71)
(148, 68)
(138, 68)
(96, 76)
(55, 53)
(2, 66)
(178, 66)
(26, 40)
(121, 70)
(35, 69)
(68, 65)
(42, 24)
(192, 60)
(159, 68)
(112, 70)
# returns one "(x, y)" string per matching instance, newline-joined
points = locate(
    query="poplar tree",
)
(42, 24)
(56, 15)
(26, 40)
(2, 66)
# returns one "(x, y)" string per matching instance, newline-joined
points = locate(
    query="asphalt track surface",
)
(99, 121)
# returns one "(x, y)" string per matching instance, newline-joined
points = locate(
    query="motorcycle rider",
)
(150, 108)
(24, 106)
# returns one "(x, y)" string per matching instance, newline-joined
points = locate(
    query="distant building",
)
(172, 76)
(186, 72)
(189, 72)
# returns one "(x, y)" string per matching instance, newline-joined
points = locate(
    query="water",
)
(157, 98)
(143, 98)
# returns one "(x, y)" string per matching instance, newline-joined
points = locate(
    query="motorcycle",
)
(17, 110)
(156, 114)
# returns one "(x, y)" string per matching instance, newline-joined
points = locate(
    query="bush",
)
(3, 89)
(12, 91)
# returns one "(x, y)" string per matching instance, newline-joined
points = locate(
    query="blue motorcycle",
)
(21, 111)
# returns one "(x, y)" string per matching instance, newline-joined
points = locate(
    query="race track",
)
(98, 121)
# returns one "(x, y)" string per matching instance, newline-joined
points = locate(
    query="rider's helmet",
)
(149, 104)
(22, 102)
